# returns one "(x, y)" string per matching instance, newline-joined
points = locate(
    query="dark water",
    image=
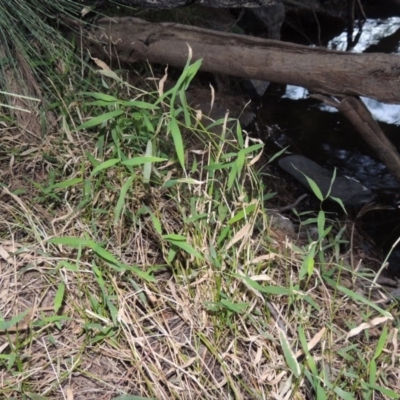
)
(322, 134)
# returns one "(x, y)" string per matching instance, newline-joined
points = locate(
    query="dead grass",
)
(237, 309)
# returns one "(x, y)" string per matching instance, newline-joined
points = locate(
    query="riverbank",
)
(152, 249)
(138, 257)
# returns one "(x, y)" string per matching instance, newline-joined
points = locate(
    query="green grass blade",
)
(101, 119)
(4, 325)
(277, 290)
(105, 165)
(133, 162)
(100, 96)
(121, 200)
(180, 241)
(173, 128)
(357, 297)
(147, 166)
(102, 253)
(289, 355)
(59, 297)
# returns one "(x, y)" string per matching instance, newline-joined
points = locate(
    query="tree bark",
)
(319, 70)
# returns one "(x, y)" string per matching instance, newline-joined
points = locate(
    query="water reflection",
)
(319, 132)
(373, 31)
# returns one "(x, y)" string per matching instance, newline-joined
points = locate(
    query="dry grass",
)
(186, 289)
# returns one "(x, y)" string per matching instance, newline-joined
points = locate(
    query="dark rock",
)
(348, 190)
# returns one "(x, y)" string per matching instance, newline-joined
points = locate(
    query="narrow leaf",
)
(59, 297)
(289, 355)
(143, 160)
(178, 142)
(100, 119)
(121, 200)
(147, 165)
(105, 165)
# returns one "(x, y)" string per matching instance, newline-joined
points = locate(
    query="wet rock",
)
(350, 191)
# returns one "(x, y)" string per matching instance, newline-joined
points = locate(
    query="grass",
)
(139, 258)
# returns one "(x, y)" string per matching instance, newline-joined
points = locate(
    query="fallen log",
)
(319, 70)
(164, 4)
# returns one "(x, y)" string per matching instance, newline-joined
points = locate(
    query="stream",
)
(322, 134)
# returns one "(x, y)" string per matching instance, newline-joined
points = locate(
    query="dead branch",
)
(319, 70)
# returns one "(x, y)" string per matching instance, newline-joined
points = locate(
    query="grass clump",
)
(138, 258)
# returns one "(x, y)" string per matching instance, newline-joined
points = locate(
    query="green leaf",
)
(342, 393)
(235, 307)
(100, 119)
(5, 325)
(309, 359)
(129, 397)
(267, 289)
(132, 162)
(289, 355)
(321, 224)
(233, 173)
(276, 155)
(92, 160)
(357, 297)
(59, 297)
(195, 218)
(99, 96)
(147, 166)
(243, 214)
(224, 233)
(307, 266)
(253, 148)
(104, 254)
(99, 103)
(173, 127)
(239, 135)
(182, 96)
(156, 223)
(105, 165)
(314, 187)
(187, 75)
(34, 396)
(173, 182)
(381, 342)
(110, 74)
(140, 104)
(332, 181)
(53, 319)
(340, 202)
(65, 184)
(387, 392)
(171, 254)
(241, 157)
(174, 237)
(188, 248)
(372, 372)
(191, 72)
(182, 244)
(147, 123)
(68, 266)
(99, 278)
(121, 200)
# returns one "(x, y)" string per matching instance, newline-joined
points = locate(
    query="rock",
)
(350, 191)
